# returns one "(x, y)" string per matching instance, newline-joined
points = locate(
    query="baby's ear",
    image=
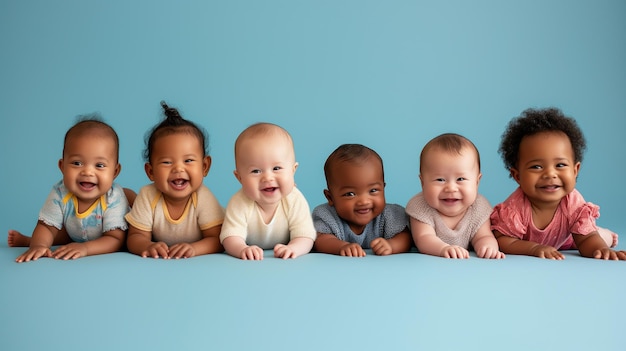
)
(236, 174)
(206, 165)
(328, 197)
(147, 167)
(514, 174)
(118, 169)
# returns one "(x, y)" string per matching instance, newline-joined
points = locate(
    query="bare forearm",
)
(233, 245)
(401, 242)
(588, 244)
(328, 243)
(105, 244)
(137, 243)
(300, 246)
(430, 244)
(515, 246)
(207, 245)
(42, 236)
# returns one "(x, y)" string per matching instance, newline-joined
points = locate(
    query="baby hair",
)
(533, 121)
(451, 143)
(350, 153)
(92, 124)
(261, 129)
(172, 124)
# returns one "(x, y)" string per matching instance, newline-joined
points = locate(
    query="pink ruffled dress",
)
(513, 218)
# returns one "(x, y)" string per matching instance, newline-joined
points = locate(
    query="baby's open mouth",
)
(179, 183)
(87, 185)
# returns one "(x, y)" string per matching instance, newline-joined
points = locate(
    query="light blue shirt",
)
(60, 210)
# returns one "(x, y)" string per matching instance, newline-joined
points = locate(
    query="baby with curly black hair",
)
(543, 149)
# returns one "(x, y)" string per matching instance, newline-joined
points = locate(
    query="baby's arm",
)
(237, 247)
(516, 246)
(329, 243)
(140, 243)
(427, 242)
(296, 247)
(593, 246)
(40, 243)
(399, 243)
(485, 243)
(110, 241)
(210, 243)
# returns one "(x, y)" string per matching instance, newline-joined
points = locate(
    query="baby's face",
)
(265, 167)
(357, 191)
(546, 170)
(450, 181)
(177, 165)
(89, 166)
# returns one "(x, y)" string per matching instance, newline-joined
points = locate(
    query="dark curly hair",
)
(533, 121)
(174, 123)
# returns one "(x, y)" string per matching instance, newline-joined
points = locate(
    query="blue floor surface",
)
(315, 302)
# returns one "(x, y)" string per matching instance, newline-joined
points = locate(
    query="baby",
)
(449, 214)
(543, 150)
(84, 211)
(176, 216)
(357, 216)
(268, 212)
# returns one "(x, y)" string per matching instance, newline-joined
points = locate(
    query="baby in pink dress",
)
(543, 150)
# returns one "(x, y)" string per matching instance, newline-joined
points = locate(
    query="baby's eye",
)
(460, 179)
(277, 168)
(374, 191)
(535, 167)
(100, 165)
(349, 194)
(561, 165)
(255, 171)
(76, 163)
(166, 162)
(440, 180)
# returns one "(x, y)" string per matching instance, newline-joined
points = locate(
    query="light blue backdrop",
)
(388, 74)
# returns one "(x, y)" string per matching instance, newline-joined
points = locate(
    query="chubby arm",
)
(210, 243)
(140, 243)
(516, 246)
(328, 243)
(485, 243)
(110, 241)
(593, 246)
(399, 243)
(42, 239)
(296, 247)
(427, 242)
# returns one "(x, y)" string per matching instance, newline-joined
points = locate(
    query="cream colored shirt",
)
(292, 219)
(149, 213)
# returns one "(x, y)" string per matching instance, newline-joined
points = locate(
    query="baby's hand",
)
(156, 250)
(381, 247)
(608, 254)
(549, 252)
(453, 251)
(283, 251)
(70, 251)
(489, 252)
(181, 250)
(251, 253)
(33, 253)
(352, 250)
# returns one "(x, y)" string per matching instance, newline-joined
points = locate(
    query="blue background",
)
(387, 74)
